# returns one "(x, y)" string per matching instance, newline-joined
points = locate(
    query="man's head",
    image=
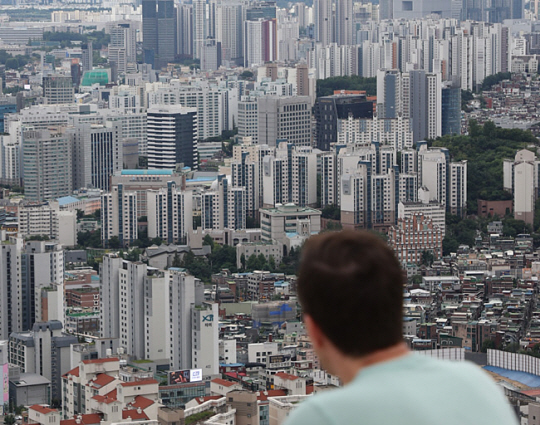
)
(350, 285)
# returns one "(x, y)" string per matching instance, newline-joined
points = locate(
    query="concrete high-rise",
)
(58, 89)
(10, 286)
(123, 47)
(87, 57)
(324, 21)
(119, 215)
(170, 215)
(47, 164)
(344, 23)
(284, 118)
(172, 137)
(159, 32)
(521, 177)
(229, 32)
(204, 14)
(224, 206)
(184, 30)
(97, 154)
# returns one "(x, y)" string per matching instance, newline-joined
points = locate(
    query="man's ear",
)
(316, 335)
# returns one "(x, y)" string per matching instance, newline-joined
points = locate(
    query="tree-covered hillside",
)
(485, 148)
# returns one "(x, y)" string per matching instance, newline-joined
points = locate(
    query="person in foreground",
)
(350, 286)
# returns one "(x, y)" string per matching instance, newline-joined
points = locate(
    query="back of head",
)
(351, 284)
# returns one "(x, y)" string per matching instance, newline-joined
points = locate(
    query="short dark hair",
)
(351, 284)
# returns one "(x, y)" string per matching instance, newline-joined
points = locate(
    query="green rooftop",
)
(99, 76)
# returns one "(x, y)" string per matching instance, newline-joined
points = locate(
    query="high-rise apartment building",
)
(521, 178)
(170, 214)
(119, 215)
(444, 181)
(47, 164)
(344, 23)
(224, 206)
(139, 301)
(245, 173)
(184, 30)
(11, 310)
(172, 137)
(324, 21)
(229, 32)
(329, 109)
(123, 47)
(290, 176)
(204, 25)
(211, 104)
(87, 57)
(416, 95)
(260, 41)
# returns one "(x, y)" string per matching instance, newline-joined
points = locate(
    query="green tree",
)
(9, 420)
(12, 63)
(176, 261)
(427, 258)
(488, 344)
(207, 240)
(243, 261)
(114, 242)
(246, 75)
(271, 263)
(332, 212)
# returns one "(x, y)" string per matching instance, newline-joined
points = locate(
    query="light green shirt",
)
(410, 390)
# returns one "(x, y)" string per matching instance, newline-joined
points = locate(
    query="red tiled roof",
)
(90, 419)
(264, 395)
(105, 360)
(134, 414)
(107, 398)
(42, 409)
(101, 380)
(287, 376)
(141, 402)
(142, 382)
(72, 372)
(223, 382)
(532, 393)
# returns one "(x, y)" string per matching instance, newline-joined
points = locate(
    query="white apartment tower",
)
(521, 178)
(109, 295)
(119, 215)
(245, 173)
(205, 338)
(170, 213)
(324, 21)
(290, 176)
(344, 23)
(224, 206)
(185, 292)
(131, 308)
